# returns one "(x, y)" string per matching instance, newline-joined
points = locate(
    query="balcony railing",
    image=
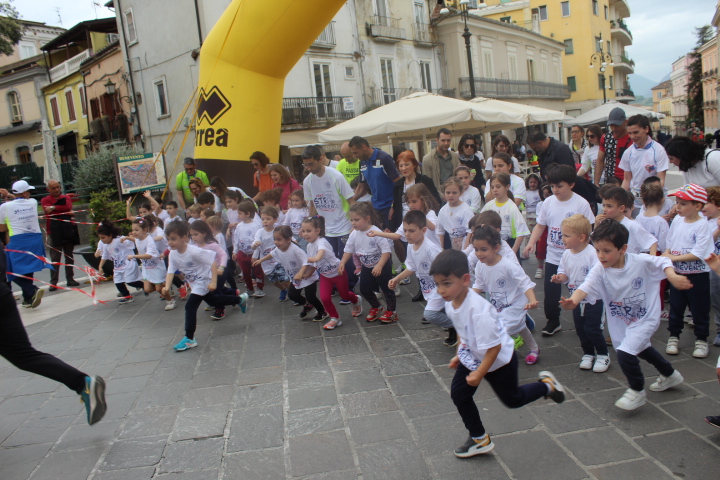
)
(710, 104)
(421, 34)
(326, 38)
(621, 25)
(624, 92)
(386, 29)
(69, 66)
(622, 61)
(383, 96)
(500, 88)
(314, 110)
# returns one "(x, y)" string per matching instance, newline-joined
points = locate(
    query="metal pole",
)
(603, 88)
(467, 36)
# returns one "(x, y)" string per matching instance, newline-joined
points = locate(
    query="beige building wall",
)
(709, 84)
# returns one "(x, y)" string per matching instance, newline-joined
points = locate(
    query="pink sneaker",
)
(532, 357)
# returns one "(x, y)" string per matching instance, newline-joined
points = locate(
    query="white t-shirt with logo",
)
(368, 249)
(161, 244)
(577, 266)
(552, 213)
(196, 265)
(267, 243)
(632, 299)
(643, 163)
(656, 226)
(328, 265)
(454, 221)
(431, 235)
(244, 236)
(153, 269)
(220, 239)
(20, 216)
(505, 251)
(479, 329)
(329, 193)
(513, 223)
(532, 201)
(667, 206)
(419, 261)
(695, 238)
(472, 197)
(293, 219)
(293, 260)
(639, 239)
(506, 284)
(124, 270)
(517, 187)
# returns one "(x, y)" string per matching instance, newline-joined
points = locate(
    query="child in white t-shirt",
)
(650, 216)
(271, 198)
(629, 285)
(491, 218)
(618, 204)
(470, 195)
(689, 243)
(263, 245)
(485, 352)
(294, 216)
(532, 196)
(243, 238)
(514, 230)
(575, 264)
(454, 215)
(125, 272)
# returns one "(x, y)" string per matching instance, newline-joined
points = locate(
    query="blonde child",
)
(712, 213)
(242, 241)
(454, 215)
(294, 216)
(125, 272)
(271, 198)
(470, 194)
(263, 245)
(502, 163)
(375, 254)
(194, 213)
(514, 230)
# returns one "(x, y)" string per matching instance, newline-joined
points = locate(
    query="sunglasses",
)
(590, 136)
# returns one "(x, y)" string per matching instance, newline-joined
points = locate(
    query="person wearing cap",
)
(612, 148)
(182, 182)
(19, 218)
(689, 242)
(550, 151)
(63, 235)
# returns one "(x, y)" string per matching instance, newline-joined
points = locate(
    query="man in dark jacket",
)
(550, 151)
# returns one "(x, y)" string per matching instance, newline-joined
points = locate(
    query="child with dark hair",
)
(263, 245)
(294, 217)
(629, 286)
(243, 238)
(271, 198)
(171, 208)
(485, 351)
(125, 271)
(617, 204)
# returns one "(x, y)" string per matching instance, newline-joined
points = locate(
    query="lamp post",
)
(603, 59)
(465, 12)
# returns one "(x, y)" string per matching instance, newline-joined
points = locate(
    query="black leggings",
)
(295, 294)
(369, 284)
(15, 346)
(122, 287)
(630, 366)
(214, 299)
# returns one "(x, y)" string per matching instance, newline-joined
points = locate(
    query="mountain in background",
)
(641, 85)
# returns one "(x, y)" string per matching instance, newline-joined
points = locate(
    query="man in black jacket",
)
(550, 151)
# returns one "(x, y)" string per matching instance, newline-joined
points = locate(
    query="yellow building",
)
(65, 99)
(590, 29)
(708, 54)
(662, 103)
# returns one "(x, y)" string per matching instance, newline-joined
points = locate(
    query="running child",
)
(202, 237)
(216, 224)
(200, 271)
(617, 204)
(171, 208)
(144, 209)
(629, 286)
(485, 351)
(541, 247)
(242, 241)
(271, 198)
(374, 254)
(470, 194)
(514, 230)
(263, 245)
(125, 272)
(194, 212)
(502, 163)
(575, 264)
(454, 215)
(711, 210)
(532, 198)
(322, 258)
(689, 243)
(294, 217)
(507, 286)
(492, 219)
(650, 216)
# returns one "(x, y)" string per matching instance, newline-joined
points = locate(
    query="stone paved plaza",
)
(268, 396)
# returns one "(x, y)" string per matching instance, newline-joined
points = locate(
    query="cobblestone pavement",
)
(266, 395)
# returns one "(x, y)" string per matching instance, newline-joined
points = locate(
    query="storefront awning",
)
(297, 140)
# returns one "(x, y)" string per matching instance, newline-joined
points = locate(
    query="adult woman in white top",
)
(501, 144)
(589, 157)
(690, 157)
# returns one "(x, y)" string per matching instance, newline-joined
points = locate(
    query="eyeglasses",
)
(575, 131)
(590, 136)
(469, 145)
(308, 165)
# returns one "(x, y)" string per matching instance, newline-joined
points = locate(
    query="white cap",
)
(22, 186)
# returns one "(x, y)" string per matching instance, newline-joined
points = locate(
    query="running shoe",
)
(93, 397)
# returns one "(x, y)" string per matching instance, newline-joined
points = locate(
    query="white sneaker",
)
(587, 362)
(539, 273)
(701, 349)
(631, 399)
(672, 346)
(663, 383)
(258, 293)
(170, 305)
(397, 291)
(602, 363)
(357, 309)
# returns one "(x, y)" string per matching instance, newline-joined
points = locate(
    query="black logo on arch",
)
(212, 105)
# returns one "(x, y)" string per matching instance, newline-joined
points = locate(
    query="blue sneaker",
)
(93, 396)
(185, 344)
(716, 342)
(345, 302)
(243, 302)
(529, 322)
(283, 295)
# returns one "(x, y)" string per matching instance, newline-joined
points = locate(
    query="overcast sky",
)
(663, 30)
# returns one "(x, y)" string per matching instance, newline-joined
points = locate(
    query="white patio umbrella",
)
(419, 115)
(534, 115)
(600, 114)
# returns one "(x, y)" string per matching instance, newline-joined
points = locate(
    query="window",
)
(506, 19)
(161, 98)
(425, 76)
(572, 84)
(83, 107)
(608, 47)
(512, 61)
(565, 9)
(542, 10)
(606, 12)
(24, 155)
(27, 50)
(55, 109)
(601, 81)
(323, 89)
(388, 80)
(381, 8)
(419, 9)
(611, 83)
(531, 69)
(598, 44)
(70, 102)
(568, 46)
(130, 27)
(487, 64)
(349, 72)
(15, 111)
(596, 10)
(95, 108)
(659, 94)
(543, 71)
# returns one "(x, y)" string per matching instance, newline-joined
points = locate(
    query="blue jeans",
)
(696, 299)
(588, 326)
(438, 318)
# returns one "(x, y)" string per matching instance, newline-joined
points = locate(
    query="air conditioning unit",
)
(112, 37)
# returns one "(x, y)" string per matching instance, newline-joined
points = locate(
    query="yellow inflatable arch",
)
(243, 65)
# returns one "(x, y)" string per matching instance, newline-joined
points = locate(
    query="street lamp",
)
(465, 12)
(603, 59)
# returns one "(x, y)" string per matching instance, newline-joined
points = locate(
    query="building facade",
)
(679, 77)
(662, 103)
(709, 59)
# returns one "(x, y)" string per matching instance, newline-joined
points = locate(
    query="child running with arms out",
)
(507, 286)
(125, 271)
(263, 245)
(294, 217)
(629, 286)
(200, 272)
(242, 239)
(454, 215)
(323, 260)
(470, 194)
(374, 254)
(575, 264)
(514, 228)
(485, 351)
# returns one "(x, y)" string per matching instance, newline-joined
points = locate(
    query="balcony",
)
(710, 105)
(303, 112)
(622, 8)
(500, 88)
(422, 36)
(385, 29)
(624, 95)
(69, 66)
(621, 62)
(619, 30)
(326, 38)
(383, 96)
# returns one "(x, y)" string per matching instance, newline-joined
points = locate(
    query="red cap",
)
(691, 192)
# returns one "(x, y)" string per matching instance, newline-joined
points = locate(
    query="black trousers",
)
(55, 254)
(214, 299)
(504, 382)
(369, 284)
(27, 286)
(551, 302)
(630, 366)
(697, 299)
(122, 287)
(588, 326)
(295, 294)
(16, 348)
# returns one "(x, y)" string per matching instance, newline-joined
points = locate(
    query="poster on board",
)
(144, 171)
